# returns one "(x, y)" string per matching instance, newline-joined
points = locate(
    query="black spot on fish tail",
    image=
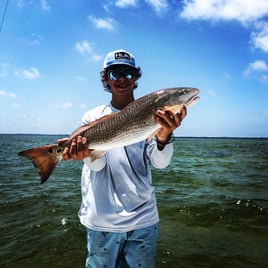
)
(44, 159)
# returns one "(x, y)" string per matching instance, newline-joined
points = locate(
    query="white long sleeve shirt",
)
(117, 191)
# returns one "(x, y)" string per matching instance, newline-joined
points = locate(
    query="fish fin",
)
(95, 154)
(44, 158)
(175, 109)
(82, 129)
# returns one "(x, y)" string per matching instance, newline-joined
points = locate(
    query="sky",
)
(52, 52)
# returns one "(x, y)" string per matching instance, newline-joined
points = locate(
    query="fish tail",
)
(44, 158)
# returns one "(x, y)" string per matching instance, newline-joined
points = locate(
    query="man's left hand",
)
(169, 121)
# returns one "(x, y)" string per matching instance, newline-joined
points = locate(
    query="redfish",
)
(132, 124)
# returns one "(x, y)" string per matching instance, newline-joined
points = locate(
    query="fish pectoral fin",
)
(175, 109)
(44, 158)
(95, 154)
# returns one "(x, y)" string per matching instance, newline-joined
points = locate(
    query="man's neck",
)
(121, 102)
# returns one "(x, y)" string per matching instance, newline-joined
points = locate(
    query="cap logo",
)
(121, 56)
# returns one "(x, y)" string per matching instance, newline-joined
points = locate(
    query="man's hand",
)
(78, 149)
(169, 121)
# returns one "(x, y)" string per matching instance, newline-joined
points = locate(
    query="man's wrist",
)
(161, 144)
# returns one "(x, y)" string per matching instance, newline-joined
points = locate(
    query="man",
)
(118, 206)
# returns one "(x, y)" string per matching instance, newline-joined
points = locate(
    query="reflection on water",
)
(212, 202)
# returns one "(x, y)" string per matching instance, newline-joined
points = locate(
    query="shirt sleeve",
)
(96, 165)
(159, 159)
(99, 163)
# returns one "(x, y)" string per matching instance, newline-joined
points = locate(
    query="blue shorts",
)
(115, 250)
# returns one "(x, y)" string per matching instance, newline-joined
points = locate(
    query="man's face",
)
(121, 79)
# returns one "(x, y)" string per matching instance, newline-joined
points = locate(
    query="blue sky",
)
(51, 53)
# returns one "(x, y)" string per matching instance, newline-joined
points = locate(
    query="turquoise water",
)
(212, 199)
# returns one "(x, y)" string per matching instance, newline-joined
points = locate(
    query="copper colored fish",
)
(132, 124)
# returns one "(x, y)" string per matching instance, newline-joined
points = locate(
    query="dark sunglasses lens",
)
(113, 74)
(127, 73)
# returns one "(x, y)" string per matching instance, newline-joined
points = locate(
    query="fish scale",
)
(136, 120)
(124, 126)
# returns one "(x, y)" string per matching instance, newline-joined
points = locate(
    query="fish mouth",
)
(193, 100)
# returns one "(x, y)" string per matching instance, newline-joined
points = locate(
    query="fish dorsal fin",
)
(83, 128)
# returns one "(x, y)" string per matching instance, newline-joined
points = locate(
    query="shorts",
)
(122, 250)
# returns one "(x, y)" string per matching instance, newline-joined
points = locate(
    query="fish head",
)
(175, 98)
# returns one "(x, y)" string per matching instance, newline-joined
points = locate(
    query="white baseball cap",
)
(119, 57)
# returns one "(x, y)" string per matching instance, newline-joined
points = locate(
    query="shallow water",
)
(212, 199)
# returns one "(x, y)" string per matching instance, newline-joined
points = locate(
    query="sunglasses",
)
(114, 74)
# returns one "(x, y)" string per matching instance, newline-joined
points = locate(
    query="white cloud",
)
(31, 73)
(107, 23)
(15, 105)
(65, 105)
(83, 47)
(241, 10)
(7, 94)
(4, 69)
(44, 5)
(256, 66)
(158, 5)
(83, 106)
(211, 92)
(35, 42)
(81, 79)
(227, 75)
(21, 3)
(125, 3)
(37, 39)
(264, 78)
(96, 57)
(249, 13)
(259, 38)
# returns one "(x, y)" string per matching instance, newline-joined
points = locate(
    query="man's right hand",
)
(78, 149)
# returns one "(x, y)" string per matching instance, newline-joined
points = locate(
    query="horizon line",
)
(202, 136)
